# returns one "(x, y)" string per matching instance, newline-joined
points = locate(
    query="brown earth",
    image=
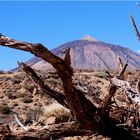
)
(35, 110)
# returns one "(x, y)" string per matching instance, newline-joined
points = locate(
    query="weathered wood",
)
(121, 74)
(56, 131)
(79, 97)
(84, 111)
(67, 57)
(76, 100)
(104, 108)
(59, 97)
(69, 129)
(135, 27)
(20, 124)
(130, 92)
(120, 63)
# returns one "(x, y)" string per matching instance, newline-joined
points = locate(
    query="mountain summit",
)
(88, 38)
(91, 54)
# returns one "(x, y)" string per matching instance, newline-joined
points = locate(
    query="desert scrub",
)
(19, 76)
(63, 115)
(34, 114)
(53, 74)
(10, 93)
(21, 93)
(5, 78)
(27, 99)
(4, 108)
(99, 82)
(52, 81)
(103, 75)
(2, 72)
(56, 110)
(29, 86)
(94, 91)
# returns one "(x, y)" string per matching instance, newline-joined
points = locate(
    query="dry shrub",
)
(21, 93)
(29, 86)
(34, 114)
(92, 137)
(20, 76)
(27, 99)
(54, 82)
(2, 72)
(61, 113)
(4, 108)
(103, 75)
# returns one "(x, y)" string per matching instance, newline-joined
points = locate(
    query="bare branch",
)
(67, 57)
(121, 74)
(108, 74)
(138, 87)
(135, 27)
(21, 125)
(120, 63)
(36, 49)
(56, 131)
(44, 88)
(122, 68)
(81, 108)
(105, 105)
(138, 4)
(64, 70)
(130, 92)
(84, 111)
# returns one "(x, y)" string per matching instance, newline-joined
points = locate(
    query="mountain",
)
(90, 54)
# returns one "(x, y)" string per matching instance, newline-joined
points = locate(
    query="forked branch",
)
(104, 107)
(59, 97)
(81, 108)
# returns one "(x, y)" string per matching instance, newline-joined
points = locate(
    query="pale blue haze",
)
(54, 23)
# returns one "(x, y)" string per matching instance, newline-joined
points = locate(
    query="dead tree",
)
(82, 109)
(138, 36)
(59, 97)
(84, 112)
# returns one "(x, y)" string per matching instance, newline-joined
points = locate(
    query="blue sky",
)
(54, 23)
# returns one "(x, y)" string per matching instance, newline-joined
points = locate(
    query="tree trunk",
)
(83, 110)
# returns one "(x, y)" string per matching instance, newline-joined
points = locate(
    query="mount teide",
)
(90, 54)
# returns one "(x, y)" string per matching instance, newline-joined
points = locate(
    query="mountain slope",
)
(92, 55)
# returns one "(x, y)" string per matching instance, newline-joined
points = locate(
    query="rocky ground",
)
(20, 97)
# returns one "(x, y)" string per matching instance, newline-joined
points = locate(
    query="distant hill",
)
(90, 54)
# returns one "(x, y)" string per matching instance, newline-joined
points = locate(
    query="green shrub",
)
(4, 109)
(29, 87)
(27, 99)
(101, 75)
